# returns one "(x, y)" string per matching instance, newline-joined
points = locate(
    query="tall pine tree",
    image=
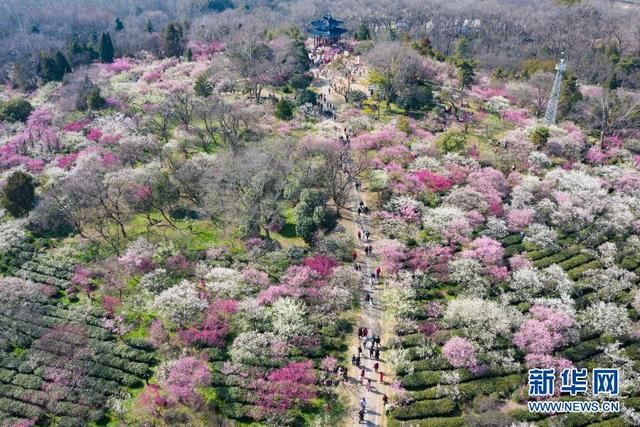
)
(173, 40)
(106, 49)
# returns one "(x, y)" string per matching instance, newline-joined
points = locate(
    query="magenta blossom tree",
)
(286, 388)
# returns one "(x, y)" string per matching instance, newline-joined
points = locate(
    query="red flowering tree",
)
(323, 265)
(286, 388)
(214, 329)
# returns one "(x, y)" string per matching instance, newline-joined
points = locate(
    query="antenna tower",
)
(552, 105)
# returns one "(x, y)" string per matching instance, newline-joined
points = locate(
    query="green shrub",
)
(27, 381)
(6, 375)
(425, 409)
(629, 263)
(306, 97)
(451, 142)
(575, 261)
(583, 350)
(556, 258)
(535, 255)
(18, 194)
(613, 422)
(300, 81)
(416, 98)
(95, 100)
(357, 97)
(539, 136)
(504, 386)
(203, 87)
(512, 239)
(15, 110)
(284, 110)
(513, 249)
(576, 273)
(424, 379)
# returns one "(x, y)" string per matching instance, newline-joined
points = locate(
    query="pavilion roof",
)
(326, 27)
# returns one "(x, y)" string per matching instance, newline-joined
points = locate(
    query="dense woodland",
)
(186, 187)
(599, 37)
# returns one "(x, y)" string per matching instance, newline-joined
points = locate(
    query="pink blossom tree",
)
(185, 376)
(486, 250)
(460, 352)
(518, 219)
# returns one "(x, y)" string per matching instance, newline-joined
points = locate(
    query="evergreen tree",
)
(363, 32)
(312, 214)
(35, 29)
(188, 55)
(466, 73)
(203, 86)
(62, 63)
(48, 69)
(462, 50)
(18, 194)
(284, 110)
(173, 40)
(119, 25)
(569, 94)
(149, 28)
(613, 82)
(106, 49)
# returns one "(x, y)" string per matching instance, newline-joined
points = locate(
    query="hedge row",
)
(504, 386)
(424, 379)
(556, 258)
(539, 254)
(431, 422)
(425, 409)
(512, 239)
(576, 273)
(575, 261)
(513, 250)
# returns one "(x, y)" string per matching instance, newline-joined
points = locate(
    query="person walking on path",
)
(376, 366)
(359, 235)
(371, 352)
(369, 384)
(362, 374)
(378, 354)
(381, 377)
(358, 361)
(353, 360)
(378, 271)
(354, 256)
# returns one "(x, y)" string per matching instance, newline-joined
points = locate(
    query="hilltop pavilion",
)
(326, 31)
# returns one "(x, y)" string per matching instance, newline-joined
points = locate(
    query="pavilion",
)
(326, 31)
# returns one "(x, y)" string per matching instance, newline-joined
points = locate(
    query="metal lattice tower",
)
(552, 104)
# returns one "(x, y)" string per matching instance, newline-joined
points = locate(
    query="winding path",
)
(371, 314)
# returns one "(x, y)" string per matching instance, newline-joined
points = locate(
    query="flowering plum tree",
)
(460, 352)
